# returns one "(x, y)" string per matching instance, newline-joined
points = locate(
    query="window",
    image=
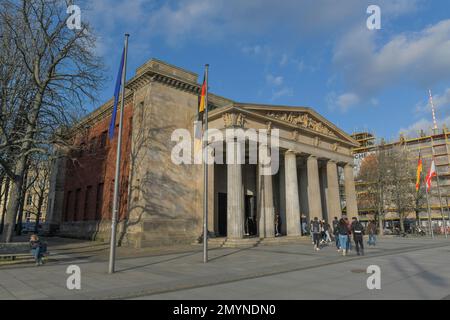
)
(68, 199)
(76, 208)
(87, 200)
(82, 150)
(29, 200)
(92, 145)
(99, 202)
(103, 140)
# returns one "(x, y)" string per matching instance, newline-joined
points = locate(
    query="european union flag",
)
(112, 125)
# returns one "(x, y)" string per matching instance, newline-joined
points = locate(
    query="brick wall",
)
(89, 183)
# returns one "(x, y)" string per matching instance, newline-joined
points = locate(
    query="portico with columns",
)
(314, 155)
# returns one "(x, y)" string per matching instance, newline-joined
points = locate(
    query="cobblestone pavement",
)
(410, 269)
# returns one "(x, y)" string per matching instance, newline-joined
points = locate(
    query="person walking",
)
(316, 230)
(372, 231)
(326, 230)
(336, 232)
(358, 235)
(349, 233)
(304, 226)
(342, 229)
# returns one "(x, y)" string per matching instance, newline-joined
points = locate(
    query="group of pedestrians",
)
(343, 230)
(320, 232)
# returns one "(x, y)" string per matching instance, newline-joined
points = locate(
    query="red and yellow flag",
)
(431, 174)
(202, 98)
(419, 173)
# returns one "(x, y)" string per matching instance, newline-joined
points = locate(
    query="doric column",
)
(323, 182)
(266, 207)
(303, 185)
(314, 200)
(333, 198)
(235, 199)
(292, 199)
(350, 192)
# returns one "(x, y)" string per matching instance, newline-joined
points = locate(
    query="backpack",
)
(316, 227)
(358, 228)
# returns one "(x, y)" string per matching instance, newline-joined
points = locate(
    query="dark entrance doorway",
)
(222, 214)
(250, 216)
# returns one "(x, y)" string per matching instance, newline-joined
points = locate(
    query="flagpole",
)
(418, 189)
(437, 181)
(429, 214)
(112, 251)
(448, 214)
(205, 184)
(440, 204)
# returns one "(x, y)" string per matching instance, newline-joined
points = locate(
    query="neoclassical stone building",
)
(162, 203)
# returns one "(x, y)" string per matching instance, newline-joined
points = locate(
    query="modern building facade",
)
(161, 202)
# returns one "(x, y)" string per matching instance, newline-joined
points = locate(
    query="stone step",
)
(213, 242)
(284, 240)
(253, 242)
(241, 243)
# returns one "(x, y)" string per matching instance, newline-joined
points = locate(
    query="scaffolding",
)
(428, 145)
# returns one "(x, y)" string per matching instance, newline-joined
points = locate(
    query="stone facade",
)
(162, 202)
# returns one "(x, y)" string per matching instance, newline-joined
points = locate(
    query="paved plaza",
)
(411, 268)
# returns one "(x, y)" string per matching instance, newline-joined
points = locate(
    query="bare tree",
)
(387, 182)
(373, 183)
(401, 183)
(38, 184)
(63, 71)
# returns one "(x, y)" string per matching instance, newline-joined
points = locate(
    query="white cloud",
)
(420, 58)
(262, 52)
(282, 92)
(343, 102)
(295, 19)
(423, 110)
(441, 102)
(278, 90)
(423, 124)
(346, 101)
(284, 60)
(274, 80)
(252, 50)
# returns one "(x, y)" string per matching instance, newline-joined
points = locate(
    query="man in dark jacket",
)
(358, 235)
(316, 230)
(336, 232)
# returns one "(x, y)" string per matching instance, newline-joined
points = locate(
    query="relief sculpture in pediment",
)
(233, 119)
(303, 120)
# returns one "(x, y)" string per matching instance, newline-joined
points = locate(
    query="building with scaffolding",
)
(433, 144)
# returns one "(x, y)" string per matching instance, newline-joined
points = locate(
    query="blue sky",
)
(295, 52)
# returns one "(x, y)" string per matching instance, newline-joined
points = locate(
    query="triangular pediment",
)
(305, 119)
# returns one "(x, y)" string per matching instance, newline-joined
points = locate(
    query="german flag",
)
(419, 173)
(202, 99)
